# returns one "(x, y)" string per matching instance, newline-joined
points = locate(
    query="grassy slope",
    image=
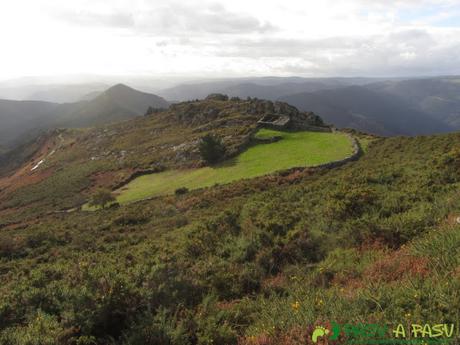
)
(372, 241)
(145, 142)
(296, 149)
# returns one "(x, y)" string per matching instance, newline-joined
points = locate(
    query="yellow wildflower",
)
(295, 305)
(320, 302)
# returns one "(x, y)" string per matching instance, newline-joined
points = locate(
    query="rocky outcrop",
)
(194, 113)
(278, 115)
(282, 115)
(217, 97)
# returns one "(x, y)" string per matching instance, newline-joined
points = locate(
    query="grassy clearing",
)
(295, 149)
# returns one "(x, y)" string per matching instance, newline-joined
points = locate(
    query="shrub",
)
(159, 329)
(43, 329)
(130, 219)
(449, 166)
(11, 247)
(181, 191)
(102, 198)
(151, 110)
(211, 149)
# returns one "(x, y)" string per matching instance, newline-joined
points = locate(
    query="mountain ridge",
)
(367, 110)
(21, 120)
(430, 104)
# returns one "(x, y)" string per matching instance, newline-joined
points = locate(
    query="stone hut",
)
(274, 121)
(280, 115)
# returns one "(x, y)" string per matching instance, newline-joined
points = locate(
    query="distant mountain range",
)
(437, 97)
(380, 106)
(367, 110)
(21, 120)
(271, 88)
(54, 93)
(397, 107)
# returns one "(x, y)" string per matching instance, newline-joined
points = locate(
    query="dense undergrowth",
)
(254, 262)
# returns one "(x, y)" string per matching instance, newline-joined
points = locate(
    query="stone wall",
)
(356, 153)
(137, 174)
(251, 140)
(311, 128)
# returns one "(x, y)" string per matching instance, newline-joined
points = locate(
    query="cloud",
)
(279, 47)
(88, 18)
(214, 19)
(170, 18)
(210, 37)
(402, 52)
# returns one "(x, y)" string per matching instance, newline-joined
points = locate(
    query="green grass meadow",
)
(295, 149)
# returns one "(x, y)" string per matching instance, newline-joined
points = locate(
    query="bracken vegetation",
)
(253, 262)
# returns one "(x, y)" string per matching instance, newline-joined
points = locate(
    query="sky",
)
(209, 39)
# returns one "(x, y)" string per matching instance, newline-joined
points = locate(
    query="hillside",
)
(76, 162)
(257, 261)
(437, 97)
(118, 103)
(24, 119)
(21, 121)
(394, 106)
(362, 108)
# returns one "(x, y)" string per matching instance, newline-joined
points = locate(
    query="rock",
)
(212, 113)
(217, 97)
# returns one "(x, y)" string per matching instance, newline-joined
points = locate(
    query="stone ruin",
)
(271, 120)
(280, 115)
(276, 115)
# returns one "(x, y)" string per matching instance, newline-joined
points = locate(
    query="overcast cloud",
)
(238, 38)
